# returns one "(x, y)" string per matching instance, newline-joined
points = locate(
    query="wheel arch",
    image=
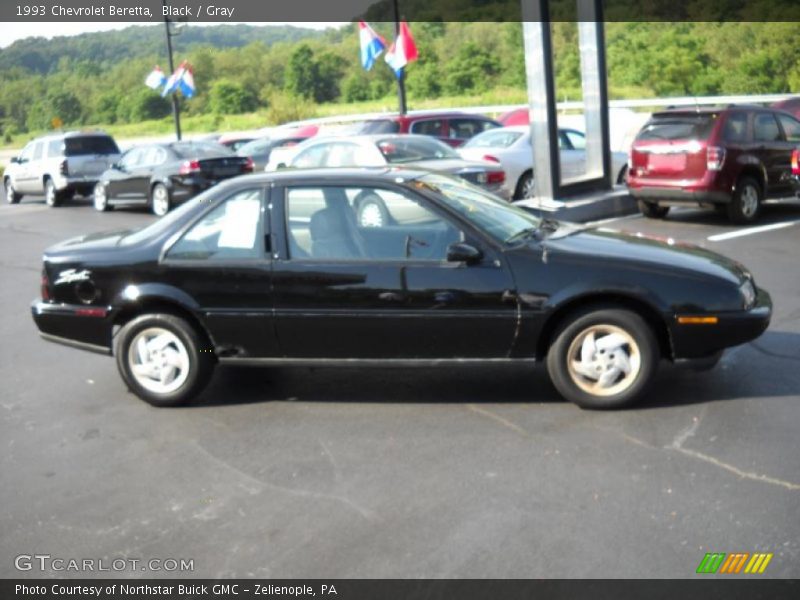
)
(600, 301)
(756, 172)
(159, 303)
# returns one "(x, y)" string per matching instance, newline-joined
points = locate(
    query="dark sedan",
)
(259, 150)
(273, 269)
(163, 175)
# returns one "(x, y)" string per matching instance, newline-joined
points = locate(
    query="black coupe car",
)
(273, 269)
(163, 175)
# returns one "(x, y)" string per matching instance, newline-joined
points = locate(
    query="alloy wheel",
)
(749, 199)
(603, 360)
(158, 360)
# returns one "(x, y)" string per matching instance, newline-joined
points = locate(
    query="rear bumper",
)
(83, 184)
(78, 326)
(732, 329)
(676, 195)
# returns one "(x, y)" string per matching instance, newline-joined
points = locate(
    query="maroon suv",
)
(730, 158)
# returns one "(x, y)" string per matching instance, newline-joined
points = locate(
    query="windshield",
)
(678, 127)
(200, 150)
(494, 139)
(90, 144)
(376, 126)
(409, 149)
(254, 147)
(501, 220)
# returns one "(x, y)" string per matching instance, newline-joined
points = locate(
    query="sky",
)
(11, 32)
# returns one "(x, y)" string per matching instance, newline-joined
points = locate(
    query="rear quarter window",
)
(90, 144)
(678, 127)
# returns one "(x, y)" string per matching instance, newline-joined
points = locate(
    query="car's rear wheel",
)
(524, 186)
(745, 202)
(652, 210)
(12, 196)
(163, 359)
(160, 200)
(603, 358)
(51, 195)
(100, 198)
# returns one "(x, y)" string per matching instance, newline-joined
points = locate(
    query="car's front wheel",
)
(12, 196)
(603, 358)
(651, 210)
(163, 359)
(100, 198)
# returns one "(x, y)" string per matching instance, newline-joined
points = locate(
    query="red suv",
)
(451, 128)
(730, 158)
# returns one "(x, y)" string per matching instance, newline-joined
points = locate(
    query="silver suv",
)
(59, 165)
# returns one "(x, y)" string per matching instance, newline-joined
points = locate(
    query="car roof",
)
(371, 138)
(71, 134)
(427, 114)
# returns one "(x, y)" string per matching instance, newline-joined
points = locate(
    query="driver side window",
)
(364, 223)
(231, 231)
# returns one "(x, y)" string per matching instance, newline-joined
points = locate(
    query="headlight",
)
(748, 292)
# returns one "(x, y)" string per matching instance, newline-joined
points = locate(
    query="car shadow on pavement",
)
(739, 375)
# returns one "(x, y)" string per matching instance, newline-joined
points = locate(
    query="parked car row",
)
(731, 158)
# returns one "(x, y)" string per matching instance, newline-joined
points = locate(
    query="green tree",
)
(228, 98)
(302, 72)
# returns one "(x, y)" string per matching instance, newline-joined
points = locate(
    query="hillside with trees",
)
(286, 72)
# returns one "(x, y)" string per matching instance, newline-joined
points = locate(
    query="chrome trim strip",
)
(370, 362)
(76, 344)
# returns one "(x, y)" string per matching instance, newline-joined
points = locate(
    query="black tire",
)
(651, 210)
(644, 350)
(622, 177)
(12, 196)
(52, 196)
(201, 358)
(160, 200)
(371, 211)
(745, 204)
(525, 181)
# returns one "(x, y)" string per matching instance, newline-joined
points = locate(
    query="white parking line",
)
(751, 230)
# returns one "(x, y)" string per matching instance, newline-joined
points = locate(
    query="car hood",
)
(645, 251)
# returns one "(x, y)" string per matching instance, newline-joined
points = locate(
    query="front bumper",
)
(79, 326)
(732, 328)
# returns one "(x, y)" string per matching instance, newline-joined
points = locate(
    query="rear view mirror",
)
(465, 253)
(15, 160)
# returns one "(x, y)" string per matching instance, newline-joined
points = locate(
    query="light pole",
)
(176, 113)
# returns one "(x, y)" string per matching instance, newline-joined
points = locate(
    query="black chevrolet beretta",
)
(273, 269)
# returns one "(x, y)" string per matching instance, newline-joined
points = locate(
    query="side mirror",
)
(15, 160)
(464, 253)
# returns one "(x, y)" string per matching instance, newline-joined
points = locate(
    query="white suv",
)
(60, 165)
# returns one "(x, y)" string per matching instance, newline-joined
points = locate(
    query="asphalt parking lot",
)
(367, 473)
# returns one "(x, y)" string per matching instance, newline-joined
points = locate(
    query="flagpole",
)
(401, 78)
(176, 113)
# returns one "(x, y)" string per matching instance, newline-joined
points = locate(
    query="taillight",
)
(45, 287)
(795, 162)
(249, 166)
(189, 166)
(491, 158)
(495, 177)
(715, 156)
(63, 167)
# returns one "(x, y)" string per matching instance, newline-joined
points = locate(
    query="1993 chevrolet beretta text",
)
(274, 269)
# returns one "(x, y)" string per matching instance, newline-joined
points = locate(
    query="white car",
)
(511, 148)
